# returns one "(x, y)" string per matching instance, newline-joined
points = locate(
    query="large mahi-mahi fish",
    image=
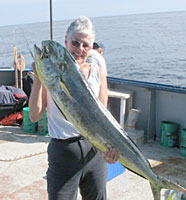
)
(62, 76)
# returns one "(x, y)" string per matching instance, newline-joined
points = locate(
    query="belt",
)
(90, 154)
(69, 140)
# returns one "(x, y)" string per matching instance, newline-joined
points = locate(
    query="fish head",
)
(51, 61)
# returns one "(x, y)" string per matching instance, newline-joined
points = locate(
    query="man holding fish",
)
(73, 162)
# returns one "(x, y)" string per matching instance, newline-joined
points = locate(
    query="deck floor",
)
(23, 165)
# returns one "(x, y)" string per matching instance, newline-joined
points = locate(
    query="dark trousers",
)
(72, 165)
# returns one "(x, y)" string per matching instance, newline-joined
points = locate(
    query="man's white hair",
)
(81, 25)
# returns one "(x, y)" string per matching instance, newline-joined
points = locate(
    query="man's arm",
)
(103, 94)
(38, 99)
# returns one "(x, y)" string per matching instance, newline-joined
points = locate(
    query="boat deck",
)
(23, 165)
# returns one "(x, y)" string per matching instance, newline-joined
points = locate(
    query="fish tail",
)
(156, 191)
(164, 183)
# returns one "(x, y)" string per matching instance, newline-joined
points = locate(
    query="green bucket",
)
(43, 125)
(169, 132)
(183, 151)
(28, 126)
(183, 138)
(183, 142)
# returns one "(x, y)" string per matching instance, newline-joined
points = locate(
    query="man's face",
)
(79, 46)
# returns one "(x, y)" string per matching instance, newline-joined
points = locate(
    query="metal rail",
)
(148, 85)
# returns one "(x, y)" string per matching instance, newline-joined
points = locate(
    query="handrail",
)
(149, 85)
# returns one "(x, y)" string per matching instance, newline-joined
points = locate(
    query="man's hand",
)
(35, 72)
(34, 68)
(110, 155)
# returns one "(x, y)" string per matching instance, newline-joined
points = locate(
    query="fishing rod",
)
(51, 31)
(28, 46)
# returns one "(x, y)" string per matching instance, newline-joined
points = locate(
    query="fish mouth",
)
(41, 53)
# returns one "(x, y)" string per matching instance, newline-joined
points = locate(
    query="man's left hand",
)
(110, 155)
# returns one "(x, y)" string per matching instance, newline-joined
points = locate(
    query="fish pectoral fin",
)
(65, 89)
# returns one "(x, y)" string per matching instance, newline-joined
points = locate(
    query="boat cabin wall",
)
(7, 77)
(157, 103)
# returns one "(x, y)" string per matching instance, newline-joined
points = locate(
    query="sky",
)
(30, 11)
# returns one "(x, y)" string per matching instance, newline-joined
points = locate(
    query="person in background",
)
(96, 56)
(99, 47)
(73, 162)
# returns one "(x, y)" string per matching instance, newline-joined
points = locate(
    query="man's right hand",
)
(34, 68)
(34, 71)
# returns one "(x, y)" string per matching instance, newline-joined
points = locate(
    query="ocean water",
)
(147, 47)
